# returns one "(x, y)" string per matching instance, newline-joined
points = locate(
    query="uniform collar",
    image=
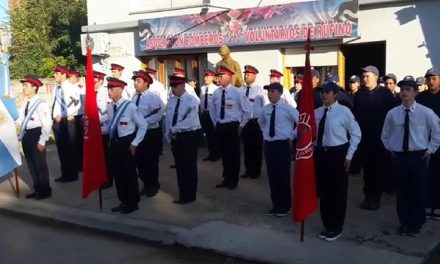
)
(411, 108)
(331, 106)
(120, 101)
(33, 99)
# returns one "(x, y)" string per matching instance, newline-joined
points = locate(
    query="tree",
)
(46, 33)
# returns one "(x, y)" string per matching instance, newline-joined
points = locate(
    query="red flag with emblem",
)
(304, 197)
(94, 169)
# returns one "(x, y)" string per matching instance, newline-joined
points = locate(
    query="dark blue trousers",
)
(412, 177)
(278, 161)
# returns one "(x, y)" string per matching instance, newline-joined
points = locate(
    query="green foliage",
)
(46, 33)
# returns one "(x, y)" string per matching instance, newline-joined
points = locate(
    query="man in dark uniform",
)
(36, 123)
(411, 132)
(127, 130)
(182, 123)
(371, 104)
(390, 82)
(431, 99)
(316, 89)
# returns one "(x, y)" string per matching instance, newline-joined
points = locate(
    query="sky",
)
(3, 6)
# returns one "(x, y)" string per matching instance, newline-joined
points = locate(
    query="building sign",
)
(253, 26)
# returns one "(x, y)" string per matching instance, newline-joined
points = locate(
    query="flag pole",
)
(17, 187)
(302, 231)
(100, 199)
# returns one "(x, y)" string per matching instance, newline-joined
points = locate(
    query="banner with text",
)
(326, 19)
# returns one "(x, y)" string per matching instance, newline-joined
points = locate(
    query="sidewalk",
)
(231, 222)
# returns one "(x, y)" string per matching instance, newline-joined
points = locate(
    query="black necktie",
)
(272, 123)
(222, 107)
(247, 91)
(176, 112)
(138, 99)
(321, 128)
(406, 131)
(116, 134)
(26, 109)
(206, 98)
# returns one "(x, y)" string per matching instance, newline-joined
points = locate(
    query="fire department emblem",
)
(304, 147)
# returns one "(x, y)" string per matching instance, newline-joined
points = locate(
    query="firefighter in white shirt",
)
(81, 91)
(206, 117)
(36, 122)
(127, 130)
(117, 71)
(275, 77)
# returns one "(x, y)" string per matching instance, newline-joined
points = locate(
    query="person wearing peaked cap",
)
(102, 100)
(65, 106)
(117, 68)
(252, 136)
(206, 116)
(316, 89)
(370, 106)
(276, 120)
(431, 99)
(78, 104)
(183, 125)
(231, 111)
(36, 122)
(413, 144)
(343, 97)
(338, 135)
(421, 82)
(275, 77)
(117, 71)
(390, 82)
(148, 151)
(332, 77)
(298, 84)
(127, 130)
(179, 72)
(189, 89)
(157, 87)
(354, 83)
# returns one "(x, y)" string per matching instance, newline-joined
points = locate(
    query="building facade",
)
(397, 36)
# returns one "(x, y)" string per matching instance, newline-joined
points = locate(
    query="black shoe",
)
(63, 179)
(107, 185)
(403, 230)
(183, 201)
(118, 208)
(214, 159)
(254, 176)
(207, 158)
(143, 191)
(282, 213)
(31, 195)
(413, 232)
(129, 209)
(60, 179)
(323, 234)
(42, 196)
(232, 186)
(332, 236)
(435, 216)
(173, 166)
(244, 175)
(221, 185)
(152, 193)
(271, 212)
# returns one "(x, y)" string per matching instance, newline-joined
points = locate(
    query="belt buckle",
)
(70, 118)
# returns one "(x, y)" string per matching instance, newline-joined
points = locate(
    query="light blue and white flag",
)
(9, 150)
(5, 87)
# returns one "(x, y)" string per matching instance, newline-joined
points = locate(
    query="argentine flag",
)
(9, 151)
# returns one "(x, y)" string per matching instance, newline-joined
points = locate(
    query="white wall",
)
(263, 60)
(410, 32)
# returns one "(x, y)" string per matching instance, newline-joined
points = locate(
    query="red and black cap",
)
(117, 67)
(209, 73)
(115, 82)
(299, 78)
(274, 86)
(176, 80)
(275, 73)
(32, 80)
(224, 71)
(142, 75)
(61, 69)
(250, 69)
(98, 75)
(151, 70)
(179, 71)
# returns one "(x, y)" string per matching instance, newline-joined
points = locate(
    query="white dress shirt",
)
(151, 107)
(211, 89)
(66, 100)
(130, 120)
(187, 116)
(39, 118)
(286, 116)
(237, 106)
(338, 123)
(424, 129)
(102, 101)
(286, 97)
(159, 89)
(257, 98)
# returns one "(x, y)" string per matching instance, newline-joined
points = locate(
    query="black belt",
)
(411, 153)
(333, 148)
(228, 123)
(253, 120)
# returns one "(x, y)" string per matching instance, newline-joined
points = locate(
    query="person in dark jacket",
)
(371, 104)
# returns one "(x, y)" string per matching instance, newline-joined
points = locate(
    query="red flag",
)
(94, 170)
(304, 182)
